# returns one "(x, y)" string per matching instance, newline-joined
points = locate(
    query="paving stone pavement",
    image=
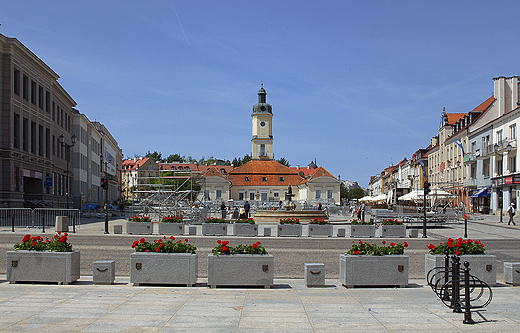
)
(288, 306)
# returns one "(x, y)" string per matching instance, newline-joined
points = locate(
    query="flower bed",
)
(214, 220)
(290, 221)
(360, 228)
(243, 265)
(39, 260)
(137, 218)
(391, 222)
(249, 220)
(482, 265)
(171, 225)
(368, 264)
(245, 229)
(163, 261)
(319, 221)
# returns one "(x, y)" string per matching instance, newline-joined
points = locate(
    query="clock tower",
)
(262, 128)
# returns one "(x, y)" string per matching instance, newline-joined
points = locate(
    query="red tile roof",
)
(454, 117)
(274, 173)
(486, 104)
(319, 172)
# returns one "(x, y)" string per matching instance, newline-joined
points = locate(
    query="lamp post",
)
(104, 184)
(61, 139)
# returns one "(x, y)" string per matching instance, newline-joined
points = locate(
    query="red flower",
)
(33, 244)
(172, 238)
(356, 252)
(384, 242)
(360, 242)
(164, 237)
(158, 249)
(161, 245)
(392, 244)
(63, 239)
(186, 240)
(59, 232)
(179, 241)
(219, 241)
(26, 238)
(224, 248)
(142, 240)
(457, 252)
(482, 245)
(405, 244)
(135, 244)
(255, 246)
(146, 250)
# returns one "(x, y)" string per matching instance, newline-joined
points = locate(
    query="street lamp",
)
(61, 139)
(104, 185)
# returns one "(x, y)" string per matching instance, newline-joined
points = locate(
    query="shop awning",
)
(483, 192)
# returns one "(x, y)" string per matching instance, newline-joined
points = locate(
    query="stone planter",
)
(43, 266)
(362, 230)
(294, 230)
(139, 228)
(391, 270)
(245, 229)
(216, 229)
(166, 228)
(163, 268)
(240, 270)
(320, 230)
(483, 266)
(393, 231)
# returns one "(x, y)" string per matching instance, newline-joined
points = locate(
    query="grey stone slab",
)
(163, 268)
(139, 228)
(245, 229)
(240, 270)
(324, 230)
(166, 228)
(289, 230)
(483, 266)
(391, 270)
(393, 231)
(362, 230)
(103, 271)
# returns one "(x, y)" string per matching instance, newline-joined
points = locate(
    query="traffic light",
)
(104, 183)
(427, 188)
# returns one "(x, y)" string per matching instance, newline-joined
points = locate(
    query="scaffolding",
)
(178, 193)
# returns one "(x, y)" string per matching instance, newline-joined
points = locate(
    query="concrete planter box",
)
(240, 270)
(393, 231)
(320, 230)
(391, 270)
(216, 229)
(245, 229)
(139, 228)
(103, 271)
(512, 273)
(166, 228)
(362, 230)
(294, 230)
(43, 266)
(163, 268)
(483, 266)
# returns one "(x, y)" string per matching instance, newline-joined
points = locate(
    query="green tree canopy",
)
(284, 162)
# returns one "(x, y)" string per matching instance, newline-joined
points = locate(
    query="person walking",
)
(511, 211)
(247, 207)
(223, 210)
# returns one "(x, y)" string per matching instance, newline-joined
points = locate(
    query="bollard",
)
(455, 284)
(446, 292)
(465, 226)
(12, 220)
(467, 296)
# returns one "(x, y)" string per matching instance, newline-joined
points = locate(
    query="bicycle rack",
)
(458, 292)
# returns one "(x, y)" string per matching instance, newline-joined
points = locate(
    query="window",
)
(276, 194)
(53, 111)
(47, 101)
(40, 97)
(263, 196)
(251, 195)
(33, 137)
(16, 82)
(264, 179)
(246, 179)
(40, 140)
(512, 164)
(318, 194)
(53, 145)
(206, 195)
(499, 169)
(16, 131)
(262, 150)
(512, 132)
(33, 92)
(241, 196)
(330, 194)
(485, 168)
(281, 179)
(25, 87)
(499, 136)
(218, 193)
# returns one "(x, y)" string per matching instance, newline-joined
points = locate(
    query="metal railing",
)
(37, 218)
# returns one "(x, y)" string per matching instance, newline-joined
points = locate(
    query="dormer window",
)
(246, 179)
(264, 179)
(281, 179)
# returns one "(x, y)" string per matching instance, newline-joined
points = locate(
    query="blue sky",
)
(354, 84)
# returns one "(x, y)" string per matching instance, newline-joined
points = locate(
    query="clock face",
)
(262, 108)
(262, 123)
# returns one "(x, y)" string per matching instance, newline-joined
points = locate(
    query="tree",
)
(156, 156)
(343, 190)
(284, 162)
(241, 161)
(356, 193)
(175, 158)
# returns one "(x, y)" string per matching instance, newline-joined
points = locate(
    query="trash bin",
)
(62, 223)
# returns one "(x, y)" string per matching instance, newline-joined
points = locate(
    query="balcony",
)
(471, 157)
(501, 147)
(470, 183)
